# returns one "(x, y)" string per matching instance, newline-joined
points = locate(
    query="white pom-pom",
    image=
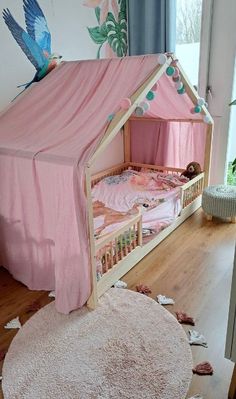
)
(162, 58)
(179, 85)
(201, 101)
(145, 105)
(207, 119)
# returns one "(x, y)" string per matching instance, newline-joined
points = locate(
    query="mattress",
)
(116, 199)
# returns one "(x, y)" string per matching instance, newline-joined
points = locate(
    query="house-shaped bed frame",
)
(117, 262)
(51, 138)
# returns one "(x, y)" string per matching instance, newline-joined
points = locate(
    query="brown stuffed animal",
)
(192, 170)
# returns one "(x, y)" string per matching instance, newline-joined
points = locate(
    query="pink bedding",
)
(117, 198)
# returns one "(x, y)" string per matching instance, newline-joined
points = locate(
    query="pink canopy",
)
(46, 138)
(168, 143)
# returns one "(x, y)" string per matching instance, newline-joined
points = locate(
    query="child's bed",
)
(135, 206)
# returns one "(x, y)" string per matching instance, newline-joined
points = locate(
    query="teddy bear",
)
(192, 170)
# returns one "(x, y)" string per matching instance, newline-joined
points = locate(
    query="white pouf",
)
(219, 201)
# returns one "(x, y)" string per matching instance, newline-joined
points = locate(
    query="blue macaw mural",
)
(36, 42)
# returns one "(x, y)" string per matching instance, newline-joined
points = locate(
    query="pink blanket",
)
(118, 198)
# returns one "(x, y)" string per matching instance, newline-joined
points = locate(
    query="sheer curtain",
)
(151, 26)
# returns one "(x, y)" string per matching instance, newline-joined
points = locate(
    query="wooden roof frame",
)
(121, 119)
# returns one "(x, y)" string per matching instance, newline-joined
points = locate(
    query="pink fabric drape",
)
(46, 138)
(167, 143)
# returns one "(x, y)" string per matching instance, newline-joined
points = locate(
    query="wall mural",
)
(111, 31)
(36, 42)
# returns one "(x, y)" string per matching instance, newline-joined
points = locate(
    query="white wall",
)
(112, 155)
(231, 154)
(221, 73)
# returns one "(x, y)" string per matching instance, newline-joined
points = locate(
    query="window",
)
(188, 34)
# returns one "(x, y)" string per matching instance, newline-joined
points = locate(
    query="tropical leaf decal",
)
(97, 35)
(117, 33)
(113, 29)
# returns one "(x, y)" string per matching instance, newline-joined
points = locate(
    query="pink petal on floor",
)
(183, 318)
(203, 368)
(143, 289)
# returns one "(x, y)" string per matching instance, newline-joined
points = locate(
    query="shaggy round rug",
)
(129, 347)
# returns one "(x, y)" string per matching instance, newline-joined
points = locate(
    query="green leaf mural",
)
(117, 34)
(113, 30)
(97, 35)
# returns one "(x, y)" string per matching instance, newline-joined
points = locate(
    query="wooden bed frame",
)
(123, 248)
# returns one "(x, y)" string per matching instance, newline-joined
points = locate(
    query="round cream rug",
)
(129, 347)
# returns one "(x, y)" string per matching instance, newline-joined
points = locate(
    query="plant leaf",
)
(234, 166)
(97, 13)
(233, 103)
(96, 35)
(117, 34)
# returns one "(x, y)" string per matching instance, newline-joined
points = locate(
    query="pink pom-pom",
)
(125, 103)
(154, 87)
(176, 73)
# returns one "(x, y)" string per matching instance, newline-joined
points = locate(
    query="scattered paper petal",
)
(195, 338)
(183, 318)
(143, 289)
(120, 284)
(197, 397)
(2, 354)
(33, 307)
(52, 294)
(14, 323)
(163, 300)
(203, 368)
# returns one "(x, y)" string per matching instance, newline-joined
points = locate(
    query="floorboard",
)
(194, 266)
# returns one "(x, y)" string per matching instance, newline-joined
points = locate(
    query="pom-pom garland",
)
(139, 111)
(162, 58)
(176, 79)
(197, 109)
(110, 117)
(154, 87)
(182, 90)
(145, 105)
(150, 95)
(125, 103)
(179, 85)
(170, 70)
(207, 119)
(176, 73)
(201, 102)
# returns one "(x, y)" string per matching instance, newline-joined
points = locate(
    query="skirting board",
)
(136, 255)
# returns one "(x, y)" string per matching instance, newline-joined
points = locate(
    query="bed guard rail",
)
(114, 246)
(191, 190)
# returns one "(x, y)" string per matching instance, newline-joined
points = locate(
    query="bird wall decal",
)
(36, 42)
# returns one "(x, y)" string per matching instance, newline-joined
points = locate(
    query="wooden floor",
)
(193, 266)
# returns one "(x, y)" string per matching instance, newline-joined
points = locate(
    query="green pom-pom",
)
(197, 109)
(150, 95)
(181, 91)
(170, 71)
(110, 117)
